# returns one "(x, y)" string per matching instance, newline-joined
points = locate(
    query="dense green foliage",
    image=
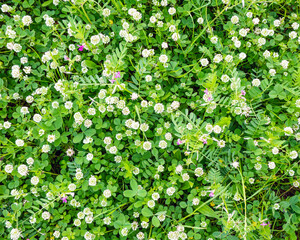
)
(139, 119)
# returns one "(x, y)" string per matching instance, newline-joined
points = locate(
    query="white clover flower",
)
(204, 62)
(24, 110)
(19, 142)
(15, 233)
(284, 64)
(46, 215)
(266, 54)
(293, 35)
(113, 150)
(217, 129)
(161, 217)
(288, 131)
(271, 165)
(276, 23)
(249, 14)
(172, 11)
(107, 220)
(49, 21)
(153, 19)
(92, 181)
(235, 164)
(163, 58)
(89, 219)
(200, 20)
(257, 166)
(175, 36)
(56, 234)
(295, 26)
(214, 39)
(6, 8)
(144, 127)
(95, 39)
(107, 193)
(178, 169)
(124, 232)
(145, 53)
(159, 108)
(17, 47)
(137, 16)
(275, 150)
(68, 105)
(242, 55)
(147, 146)
(151, 204)
(26, 20)
(256, 82)
(265, 32)
(293, 154)
(255, 21)
(291, 172)
(106, 12)
(162, 144)
(79, 175)
(170, 191)
(229, 58)
(272, 72)
(296, 184)
(9, 168)
(72, 187)
(46, 148)
(237, 197)
(70, 152)
(51, 138)
(185, 177)
(196, 201)
(77, 222)
(155, 196)
(198, 172)
(234, 19)
(81, 215)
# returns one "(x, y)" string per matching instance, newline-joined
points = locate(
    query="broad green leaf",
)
(78, 138)
(147, 212)
(133, 185)
(90, 64)
(155, 222)
(129, 193)
(207, 211)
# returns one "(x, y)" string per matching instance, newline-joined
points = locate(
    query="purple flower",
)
(117, 75)
(211, 194)
(243, 92)
(179, 142)
(64, 199)
(204, 141)
(263, 224)
(112, 80)
(66, 58)
(81, 47)
(206, 91)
